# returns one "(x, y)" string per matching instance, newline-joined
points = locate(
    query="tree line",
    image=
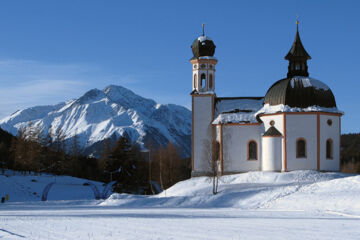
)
(132, 169)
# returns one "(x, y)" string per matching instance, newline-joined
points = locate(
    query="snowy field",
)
(255, 205)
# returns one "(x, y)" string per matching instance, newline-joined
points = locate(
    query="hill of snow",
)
(27, 188)
(109, 113)
(297, 190)
(255, 205)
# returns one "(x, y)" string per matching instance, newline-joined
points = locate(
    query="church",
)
(295, 126)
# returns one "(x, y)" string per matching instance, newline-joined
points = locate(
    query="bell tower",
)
(203, 65)
(203, 101)
(297, 57)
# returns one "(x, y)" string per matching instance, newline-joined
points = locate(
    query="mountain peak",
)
(113, 111)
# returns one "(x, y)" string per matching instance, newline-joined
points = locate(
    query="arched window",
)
(203, 79)
(210, 81)
(252, 150)
(301, 148)
(329, 148)
(297, 66)
(195, 78)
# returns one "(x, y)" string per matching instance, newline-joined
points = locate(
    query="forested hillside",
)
(350, 153)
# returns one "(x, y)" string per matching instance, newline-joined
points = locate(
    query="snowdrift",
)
(27, 188)
(298, 190)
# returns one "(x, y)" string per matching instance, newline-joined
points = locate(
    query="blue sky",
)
(52, 51)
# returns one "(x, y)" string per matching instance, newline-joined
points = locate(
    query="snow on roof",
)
(237, 110)
(208, 57)
(308, 82)
(204, 38)
(268, 109)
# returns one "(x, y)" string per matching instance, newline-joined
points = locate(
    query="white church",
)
(296, 126)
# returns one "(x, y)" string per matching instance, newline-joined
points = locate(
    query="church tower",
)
(297, 57)
(203, 100)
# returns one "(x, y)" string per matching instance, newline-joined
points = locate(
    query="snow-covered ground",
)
(255, 205)
(27, 188)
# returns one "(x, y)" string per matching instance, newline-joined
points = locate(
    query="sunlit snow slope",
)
(109, 113)
(297, 190)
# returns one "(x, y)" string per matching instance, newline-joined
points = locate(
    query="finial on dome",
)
(203, 29)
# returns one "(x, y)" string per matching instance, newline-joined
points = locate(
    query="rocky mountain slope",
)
(109, 113)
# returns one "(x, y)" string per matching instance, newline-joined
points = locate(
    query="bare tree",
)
(213, 163)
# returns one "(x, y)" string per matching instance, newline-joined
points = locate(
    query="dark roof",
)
(203, 47)
(272, 131)
(301, 92)
(297, 49)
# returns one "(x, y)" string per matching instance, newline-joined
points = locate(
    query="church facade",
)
(296, 126)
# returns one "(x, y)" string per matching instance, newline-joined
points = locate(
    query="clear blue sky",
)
(51, 51)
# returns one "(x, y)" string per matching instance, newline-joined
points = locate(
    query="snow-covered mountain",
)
(109, 113)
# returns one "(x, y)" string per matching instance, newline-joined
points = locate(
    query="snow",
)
(208, 58)
(308, 82)
(255, 205)
(237, 110)
(22, 188)
(101, 114)
(204, 38)
(268, 109)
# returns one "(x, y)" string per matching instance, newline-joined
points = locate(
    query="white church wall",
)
(330, 132)
(235, 141)
(301, 126)
(279, 125)
(278, 119)
(202, 133)
(271, 154)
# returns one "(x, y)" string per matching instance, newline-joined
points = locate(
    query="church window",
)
(203, 79)
(195, 78)
(329, 149)
(252, 150)
(272, 123)
(297, 67)
(210, 81)
(329, 122)
(301, 148)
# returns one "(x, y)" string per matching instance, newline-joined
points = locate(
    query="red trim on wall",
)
(221, 149)
(192, 133)
(318, 140)
(284, 141)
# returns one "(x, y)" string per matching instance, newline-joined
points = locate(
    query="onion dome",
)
(300, 92)
(203, 46)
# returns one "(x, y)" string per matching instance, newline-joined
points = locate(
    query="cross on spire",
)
(203, 29)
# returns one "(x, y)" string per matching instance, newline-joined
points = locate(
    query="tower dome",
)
(203, 46)
(300, 92)
(298, 89)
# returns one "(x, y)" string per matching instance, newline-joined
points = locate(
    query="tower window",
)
(297, 67)
(210, 81)
(329, 149)
(203, 79)
(301, 148)
(252, 150)
(195, 78)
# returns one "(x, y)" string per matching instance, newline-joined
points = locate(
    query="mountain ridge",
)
(109, 113)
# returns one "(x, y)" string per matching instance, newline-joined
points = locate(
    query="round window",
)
(329, 122)
(272, 123)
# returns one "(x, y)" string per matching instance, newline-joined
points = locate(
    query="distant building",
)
(296, 126)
